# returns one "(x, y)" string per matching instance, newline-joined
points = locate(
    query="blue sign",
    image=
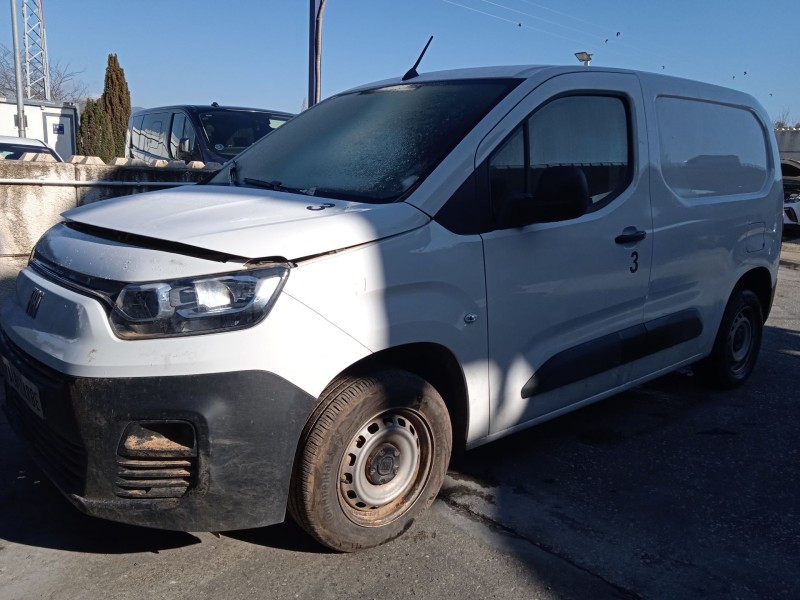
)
(58, 128)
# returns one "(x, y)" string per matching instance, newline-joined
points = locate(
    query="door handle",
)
(630, 238)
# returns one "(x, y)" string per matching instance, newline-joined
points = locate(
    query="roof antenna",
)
(412, 72)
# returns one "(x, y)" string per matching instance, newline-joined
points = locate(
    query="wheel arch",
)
(759, 280)
(435, 364)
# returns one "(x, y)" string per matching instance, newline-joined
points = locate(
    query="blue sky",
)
(255, 53)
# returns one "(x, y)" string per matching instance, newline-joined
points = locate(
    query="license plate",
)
(23, 386)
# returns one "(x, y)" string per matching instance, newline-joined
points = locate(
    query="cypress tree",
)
(94, 134)
(116, 100)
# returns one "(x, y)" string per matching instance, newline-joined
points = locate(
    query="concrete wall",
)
(33, 194)
(788, 143)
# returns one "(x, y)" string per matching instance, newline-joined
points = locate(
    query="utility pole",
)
(18, 72)
(315, 51)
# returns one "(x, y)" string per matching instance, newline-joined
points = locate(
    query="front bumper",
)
(791, 213)
(234, 473)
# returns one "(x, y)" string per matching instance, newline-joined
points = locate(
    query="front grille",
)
(154, 477)
(63, 461)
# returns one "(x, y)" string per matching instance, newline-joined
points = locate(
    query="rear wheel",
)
(373, 456)
(737, 344)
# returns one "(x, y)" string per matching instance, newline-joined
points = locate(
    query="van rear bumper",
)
(207, 452)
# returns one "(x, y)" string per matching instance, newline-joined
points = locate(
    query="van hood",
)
(250, 222)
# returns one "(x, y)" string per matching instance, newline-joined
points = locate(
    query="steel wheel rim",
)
(395, 446)
(740, 341)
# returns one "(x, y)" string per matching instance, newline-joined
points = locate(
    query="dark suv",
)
(207, 133)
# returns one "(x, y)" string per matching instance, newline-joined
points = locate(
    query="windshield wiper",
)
(276, 185)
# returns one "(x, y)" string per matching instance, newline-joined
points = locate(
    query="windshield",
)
(371, 145)
(231, 131)
(15, 151)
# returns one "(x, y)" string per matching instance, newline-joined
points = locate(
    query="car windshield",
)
(231, 131)
(370, 145)
(15, 151)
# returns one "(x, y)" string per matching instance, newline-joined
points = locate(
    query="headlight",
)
(199, 305)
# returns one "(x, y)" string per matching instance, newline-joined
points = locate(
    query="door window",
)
(182, 128)
(176, 133)
(588, 132)
(153, 134)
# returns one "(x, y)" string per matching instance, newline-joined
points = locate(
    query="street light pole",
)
(18, 72)
(584, 57)
(315, 51)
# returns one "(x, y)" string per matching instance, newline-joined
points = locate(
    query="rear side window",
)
(586, 131)
(153, 134)
(136, 132)
(710, 149)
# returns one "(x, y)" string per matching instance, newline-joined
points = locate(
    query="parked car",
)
(12, 148)
(207, 133)
(790, 169)
(406, 268)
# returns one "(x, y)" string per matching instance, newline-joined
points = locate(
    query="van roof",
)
(521, 72)
(202, 107)
(658, 81)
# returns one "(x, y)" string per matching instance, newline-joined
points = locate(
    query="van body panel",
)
(605, 239)
(705, 244)
(575, 283)
(249, 222)
(71, 335)
(105, 258)
(426, 285)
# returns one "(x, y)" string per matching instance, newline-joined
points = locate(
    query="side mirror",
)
(184, 149)
(561, 194)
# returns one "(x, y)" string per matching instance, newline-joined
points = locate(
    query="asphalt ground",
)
(666, 491)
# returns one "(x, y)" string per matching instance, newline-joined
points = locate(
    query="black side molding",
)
(613, 350)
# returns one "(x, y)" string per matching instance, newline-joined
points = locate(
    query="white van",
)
(406, 268)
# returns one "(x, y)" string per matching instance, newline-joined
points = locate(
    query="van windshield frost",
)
(370, 145)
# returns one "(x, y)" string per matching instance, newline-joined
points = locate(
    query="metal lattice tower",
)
(36, 70)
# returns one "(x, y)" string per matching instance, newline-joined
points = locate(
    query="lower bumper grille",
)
(154, 477)
(156, 459)
(63, 461)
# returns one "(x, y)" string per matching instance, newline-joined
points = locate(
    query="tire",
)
(737, 343)
(371, 459)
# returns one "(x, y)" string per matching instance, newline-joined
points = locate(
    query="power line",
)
(517, 23)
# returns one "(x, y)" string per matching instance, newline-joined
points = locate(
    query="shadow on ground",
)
(33, 512)
(669, 490)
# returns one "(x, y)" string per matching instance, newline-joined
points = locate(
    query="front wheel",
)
(372, 458)
(737, 343)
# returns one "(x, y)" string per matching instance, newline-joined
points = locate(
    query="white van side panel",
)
(425, 286)
(552, 287)
(703, 244)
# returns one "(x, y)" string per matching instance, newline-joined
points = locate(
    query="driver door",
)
(563, 295)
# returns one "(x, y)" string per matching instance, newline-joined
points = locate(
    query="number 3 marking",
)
(635, 266)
